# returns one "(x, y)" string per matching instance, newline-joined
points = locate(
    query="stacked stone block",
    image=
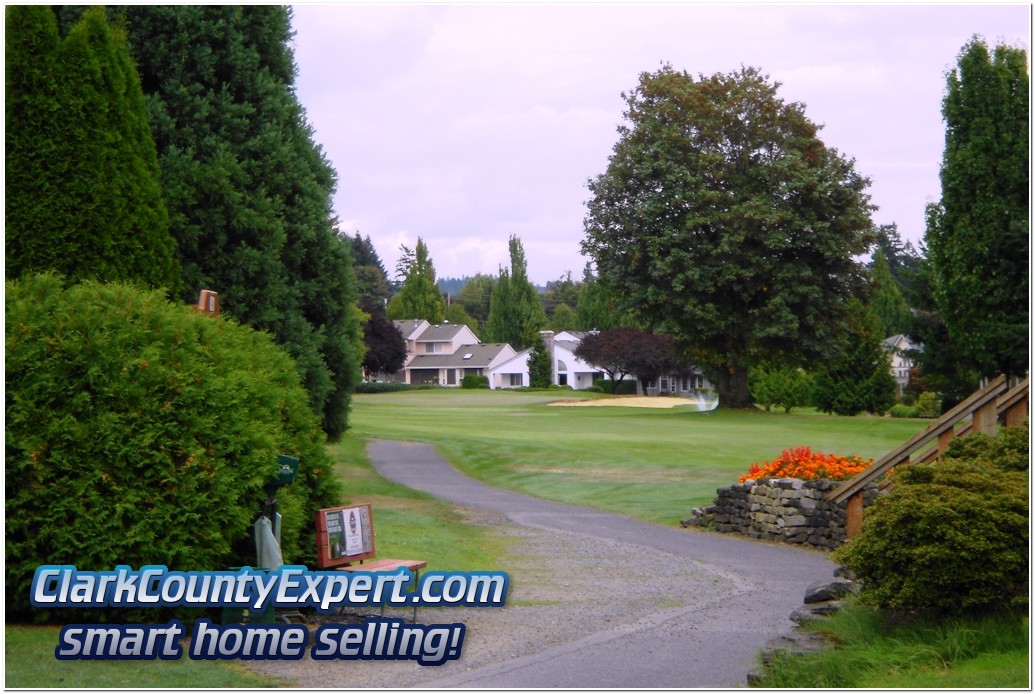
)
(785, 510)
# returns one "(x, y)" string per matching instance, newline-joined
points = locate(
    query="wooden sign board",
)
(344, 534)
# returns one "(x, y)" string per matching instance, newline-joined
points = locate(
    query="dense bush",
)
(382, 387)
(904, 411)
(474, 381)
(951, 537)
(627, 386)
(140, 432)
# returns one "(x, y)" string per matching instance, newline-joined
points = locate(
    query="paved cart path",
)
(701, 628)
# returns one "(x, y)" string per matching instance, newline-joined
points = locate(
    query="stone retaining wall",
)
(787, 510)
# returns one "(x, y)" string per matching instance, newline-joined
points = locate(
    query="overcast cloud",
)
(466, 124)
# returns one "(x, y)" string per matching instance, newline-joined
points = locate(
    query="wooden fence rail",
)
(978, 413)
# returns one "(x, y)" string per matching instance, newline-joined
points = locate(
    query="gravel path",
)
(601, 602)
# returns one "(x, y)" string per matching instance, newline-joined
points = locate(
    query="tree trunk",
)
(733, 387)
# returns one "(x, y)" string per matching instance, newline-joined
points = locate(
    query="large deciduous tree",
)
(978, 237)
(247, 189)
(620, 352)
(82, 189)
(726, 222)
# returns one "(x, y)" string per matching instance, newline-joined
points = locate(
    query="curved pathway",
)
(740, 596)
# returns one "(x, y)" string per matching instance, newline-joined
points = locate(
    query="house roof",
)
(442, 333)
(899, 343)
(411, 328)
(468, 356)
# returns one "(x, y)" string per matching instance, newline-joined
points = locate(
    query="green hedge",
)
(141, 432)
(473, 381)
(951, 537)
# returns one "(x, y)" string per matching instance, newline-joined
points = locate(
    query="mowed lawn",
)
(654, 464)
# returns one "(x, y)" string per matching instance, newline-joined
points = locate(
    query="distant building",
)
(900, 350)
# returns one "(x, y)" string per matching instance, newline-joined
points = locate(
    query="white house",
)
(899, 349)
(512, 373)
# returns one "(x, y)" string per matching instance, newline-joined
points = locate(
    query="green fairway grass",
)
(654, 464)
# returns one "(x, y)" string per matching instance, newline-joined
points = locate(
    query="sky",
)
(467, 124)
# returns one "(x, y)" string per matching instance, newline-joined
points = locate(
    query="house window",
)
(664, 383)
(516, 381)
(684, 384)
(650, 384)
(434, 348)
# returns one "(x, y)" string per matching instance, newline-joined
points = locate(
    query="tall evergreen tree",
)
(859, 378)
(82, 182)
(515, 312)
(247, 189)
(886, 300)
(540, 365)
(419, 296)
(979, 242)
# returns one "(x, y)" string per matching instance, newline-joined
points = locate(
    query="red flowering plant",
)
(801, 463)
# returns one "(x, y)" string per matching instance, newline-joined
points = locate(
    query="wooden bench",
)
(345, 542)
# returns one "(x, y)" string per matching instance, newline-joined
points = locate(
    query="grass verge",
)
(653, 464)
(872, 653)
(29, 662)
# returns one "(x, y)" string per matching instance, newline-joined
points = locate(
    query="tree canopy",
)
(419, 296)
(247, 189)
(515, 313)
(83, 192)
(978, 235)
(724, 221)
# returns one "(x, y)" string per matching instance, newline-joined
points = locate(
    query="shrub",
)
(928, 404)
(472, 381)
(386, 387)
(801, 463)
(904, 412)
(139, 432)
(951, 537)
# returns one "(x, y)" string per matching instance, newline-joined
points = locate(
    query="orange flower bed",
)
(801, 463)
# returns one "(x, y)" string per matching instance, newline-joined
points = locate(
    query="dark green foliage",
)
(247, 189)
(473, 381)
(141, 432)
(516, 314)
(724, 221)
(951, 537)
(979, 242)
(82, 182)
(886, 300)
(475, 296)
(859, 378)
(540, 366)
(387, 387)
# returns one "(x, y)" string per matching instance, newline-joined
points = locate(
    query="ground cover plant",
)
(654, 464)
(874, 652)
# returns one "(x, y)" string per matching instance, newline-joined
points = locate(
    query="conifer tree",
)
(83, 195)
(419, 296)
(248, 190)
(978, 235)
(515, 313)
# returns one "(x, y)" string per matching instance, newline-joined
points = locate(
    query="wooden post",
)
(984, 419)
(944, 439)
(1016, 415)
(854, 515)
